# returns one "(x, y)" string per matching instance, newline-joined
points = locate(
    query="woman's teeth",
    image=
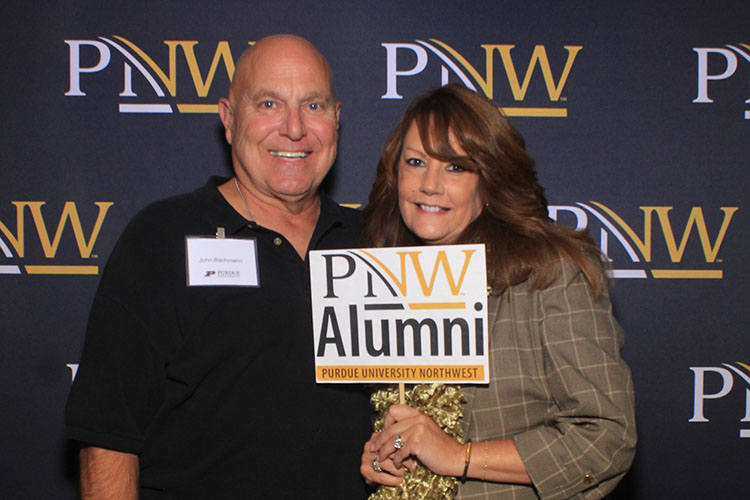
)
(430, 208)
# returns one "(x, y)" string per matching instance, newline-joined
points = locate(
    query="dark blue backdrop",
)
(656, 114)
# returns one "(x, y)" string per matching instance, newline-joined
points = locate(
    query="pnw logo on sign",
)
(531, 82)
(405, 314)
(716, 64)
(21, 248)
(146, 85)
(714, 383)
(688, 248)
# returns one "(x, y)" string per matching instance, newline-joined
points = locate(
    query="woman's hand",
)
(390, 475)
(420, 437)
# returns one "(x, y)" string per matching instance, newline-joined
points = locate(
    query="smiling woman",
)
(438, 199)
(557, 418)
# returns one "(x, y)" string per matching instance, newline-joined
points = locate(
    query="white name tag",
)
(221, 261)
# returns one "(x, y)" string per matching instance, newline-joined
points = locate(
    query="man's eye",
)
(315, 106)
(266, 104)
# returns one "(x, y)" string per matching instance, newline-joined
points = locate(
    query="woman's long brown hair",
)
(522, 241)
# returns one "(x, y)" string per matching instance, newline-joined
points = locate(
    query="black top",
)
(214, 387)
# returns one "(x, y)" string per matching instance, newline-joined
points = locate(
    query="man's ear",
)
(227, 117)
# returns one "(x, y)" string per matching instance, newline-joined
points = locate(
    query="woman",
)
(557, 418)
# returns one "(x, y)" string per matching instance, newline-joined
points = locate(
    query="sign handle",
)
(401, 393)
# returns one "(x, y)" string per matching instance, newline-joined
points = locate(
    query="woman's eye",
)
(456, 168)
(414, 162)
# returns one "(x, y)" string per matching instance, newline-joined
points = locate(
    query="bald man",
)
(198, 382)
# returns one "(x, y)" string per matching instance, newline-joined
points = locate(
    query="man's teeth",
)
(289, 154)
(430, 208)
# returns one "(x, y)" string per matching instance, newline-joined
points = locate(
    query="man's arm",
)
(108, 474)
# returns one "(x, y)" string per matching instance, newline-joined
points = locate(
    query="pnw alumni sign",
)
(404, 314)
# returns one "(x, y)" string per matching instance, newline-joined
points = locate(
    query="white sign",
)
(403, 314)
(221, 261)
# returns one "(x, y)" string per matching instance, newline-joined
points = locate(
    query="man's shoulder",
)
(158, 230)
(172, 205)
(176, 212)
(164, 211)
(152, 244)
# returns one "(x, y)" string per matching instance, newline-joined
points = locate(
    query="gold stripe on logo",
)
(688, 274)
(438, 305)
(536, 112)
(198, 108)
(62, 269)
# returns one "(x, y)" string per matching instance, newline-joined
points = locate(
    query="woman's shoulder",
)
(557, 275)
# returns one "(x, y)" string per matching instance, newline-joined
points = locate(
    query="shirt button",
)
(588, 479)
(277, 241)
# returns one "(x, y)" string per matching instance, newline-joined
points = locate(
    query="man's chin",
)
(295, 192)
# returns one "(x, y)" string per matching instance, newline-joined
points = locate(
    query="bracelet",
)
(486, 459)
(467, 461)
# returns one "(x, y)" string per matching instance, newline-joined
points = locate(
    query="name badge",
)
(221, 261)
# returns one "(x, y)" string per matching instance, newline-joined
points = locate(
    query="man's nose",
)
(293, 125)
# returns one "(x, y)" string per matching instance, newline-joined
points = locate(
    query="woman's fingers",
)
(412, 434)
(408, 434)
(397, 421)
(376, 471)
(396, 413)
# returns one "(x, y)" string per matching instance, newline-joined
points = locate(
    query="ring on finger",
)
(398, 442)
(376, 465)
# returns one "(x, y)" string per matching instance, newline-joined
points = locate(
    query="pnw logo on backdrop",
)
(146, 86)
(719, 64)
(719, 390)
(536, 91)
(660, 242)
(48, 240)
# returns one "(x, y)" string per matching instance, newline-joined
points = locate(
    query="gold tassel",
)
(441, 402)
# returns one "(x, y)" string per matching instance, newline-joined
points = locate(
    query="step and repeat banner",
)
(638, 114)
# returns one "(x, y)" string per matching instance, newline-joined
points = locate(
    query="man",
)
(208, 392)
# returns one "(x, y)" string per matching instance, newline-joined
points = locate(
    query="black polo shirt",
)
(214, 387)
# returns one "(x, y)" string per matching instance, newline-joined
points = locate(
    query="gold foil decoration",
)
(441, 402)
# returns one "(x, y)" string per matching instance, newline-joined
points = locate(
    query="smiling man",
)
(281, 119)
(197, 375)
